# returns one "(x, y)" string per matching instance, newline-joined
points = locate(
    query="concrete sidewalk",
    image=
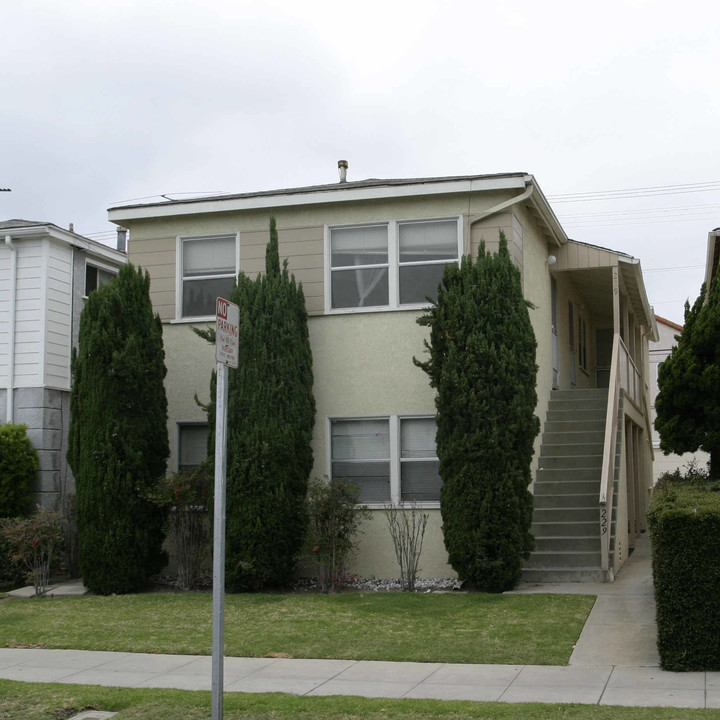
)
(620, 629)
(614, 663)
(600, 684)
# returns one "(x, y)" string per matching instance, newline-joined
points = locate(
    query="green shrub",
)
(335, 517)
(118, 442)
(35, 542)
(271, 413)
(18, 468)
(11, 572)
(183, 496)
(482, 364)
(684, 522)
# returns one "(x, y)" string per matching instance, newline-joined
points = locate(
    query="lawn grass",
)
(32, 701)
(462, 628)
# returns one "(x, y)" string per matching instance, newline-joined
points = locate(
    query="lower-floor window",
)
(192, 446)
(392, 459)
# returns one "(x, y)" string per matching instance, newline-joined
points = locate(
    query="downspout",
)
(9, 416)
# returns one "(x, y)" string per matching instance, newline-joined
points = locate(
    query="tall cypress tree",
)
(482, 364)
(118, 445)
(271, 414)
(688, 404)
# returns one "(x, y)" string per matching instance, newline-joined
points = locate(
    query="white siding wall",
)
(58, 318)
(29, 314)
(4, 313)
(659, 352)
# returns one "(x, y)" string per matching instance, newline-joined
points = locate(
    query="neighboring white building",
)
(45, 275)
(659, 352)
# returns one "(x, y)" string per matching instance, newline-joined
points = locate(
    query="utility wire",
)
(636, 192)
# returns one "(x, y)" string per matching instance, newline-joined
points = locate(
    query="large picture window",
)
(361, 453)
(209, 268)
(390, 265)
(419, 465)
(392, 459)
(424, 250)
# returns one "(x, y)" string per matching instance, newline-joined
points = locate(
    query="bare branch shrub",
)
(407, 529)
(34, 541)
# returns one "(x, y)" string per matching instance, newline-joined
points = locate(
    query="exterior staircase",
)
(566, 518)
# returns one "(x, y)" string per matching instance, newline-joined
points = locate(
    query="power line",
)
(655, 211)
(636, 192)
(669, 269)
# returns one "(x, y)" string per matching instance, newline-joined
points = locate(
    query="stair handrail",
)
(607, 478)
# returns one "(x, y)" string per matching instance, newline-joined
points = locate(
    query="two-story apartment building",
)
(368, 254)
(45, 275)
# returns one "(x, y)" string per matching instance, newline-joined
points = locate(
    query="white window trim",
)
(112, 269)
(179, 273)
(393, 263)
(395, 459)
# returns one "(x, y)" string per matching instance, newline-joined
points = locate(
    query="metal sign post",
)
(226, 354)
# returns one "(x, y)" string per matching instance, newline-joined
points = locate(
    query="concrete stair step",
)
(554, 514)
(561, 575)
(563, 449)
(567, 487)
(582, 403)
(577, 415)
(566, 559)
(586, 500)
(564, 544)
(574, 436)
(565, 528)
(567, 474)
(580, 393)
(548, 462)
(571, 426)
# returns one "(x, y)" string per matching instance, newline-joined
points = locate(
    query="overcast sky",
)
(109, 101)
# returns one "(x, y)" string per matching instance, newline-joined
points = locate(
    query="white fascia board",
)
(634, 263)
(543, 207)
(218, 204)
(710, 268)
(90, 246)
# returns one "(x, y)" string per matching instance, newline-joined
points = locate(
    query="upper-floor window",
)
(208, 267)
(391, 264)
(392, 458)
(95, 276)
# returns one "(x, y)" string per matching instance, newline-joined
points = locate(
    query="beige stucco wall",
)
(152, 243)
(363, 367)
(362, 363)
(362, 360)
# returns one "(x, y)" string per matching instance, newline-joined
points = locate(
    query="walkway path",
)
(614, 663)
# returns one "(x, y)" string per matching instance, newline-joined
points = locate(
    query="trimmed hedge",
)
(18, 470)
(684, 522)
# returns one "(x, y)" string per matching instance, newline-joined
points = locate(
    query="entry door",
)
(571, 334)
(555, 352)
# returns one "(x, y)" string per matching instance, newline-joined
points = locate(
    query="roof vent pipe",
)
(342, 169)
(121, 239)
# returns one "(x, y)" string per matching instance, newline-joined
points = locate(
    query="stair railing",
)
(607, 478)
